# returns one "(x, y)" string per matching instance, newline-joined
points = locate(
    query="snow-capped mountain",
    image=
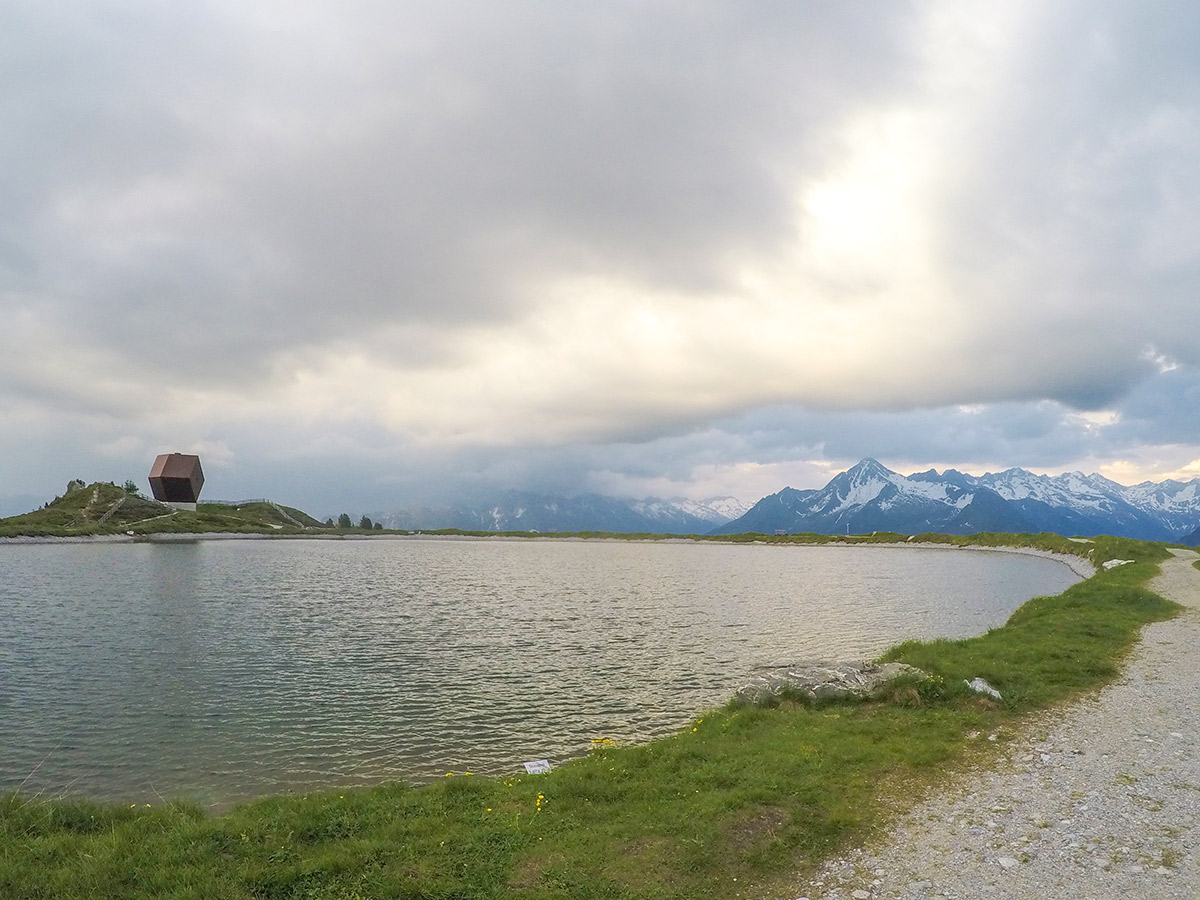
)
(524, 511)
(717, 510)
(871, 497)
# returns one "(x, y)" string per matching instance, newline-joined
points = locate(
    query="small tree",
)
(344, 521)
(329, 523)
(130, 486)
(365, 523)
(379, 526)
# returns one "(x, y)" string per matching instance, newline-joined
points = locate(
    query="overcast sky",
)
(365, 254)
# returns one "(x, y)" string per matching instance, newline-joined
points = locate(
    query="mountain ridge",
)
(871, 497)
(531, 511)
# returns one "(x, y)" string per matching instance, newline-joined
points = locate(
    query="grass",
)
(107, 509)
(736, 804)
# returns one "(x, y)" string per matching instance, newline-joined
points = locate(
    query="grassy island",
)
(736, 803)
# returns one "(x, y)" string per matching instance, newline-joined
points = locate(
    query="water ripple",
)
(222, 670)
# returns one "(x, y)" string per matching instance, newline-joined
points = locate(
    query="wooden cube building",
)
(176, 478)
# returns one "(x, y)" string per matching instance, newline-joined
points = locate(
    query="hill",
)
(107, 509)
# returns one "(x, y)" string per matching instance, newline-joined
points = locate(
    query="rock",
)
(1008, 862)
(979, 686)
(815, 680)
(861, 895)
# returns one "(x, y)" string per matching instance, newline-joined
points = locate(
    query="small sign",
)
(538, 767)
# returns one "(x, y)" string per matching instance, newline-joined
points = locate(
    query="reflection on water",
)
(220, 670)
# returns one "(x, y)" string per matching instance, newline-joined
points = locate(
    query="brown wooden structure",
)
(176, 478)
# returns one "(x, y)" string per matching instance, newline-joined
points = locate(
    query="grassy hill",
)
(107, 509)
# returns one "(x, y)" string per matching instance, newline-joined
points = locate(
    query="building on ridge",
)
(176, 479)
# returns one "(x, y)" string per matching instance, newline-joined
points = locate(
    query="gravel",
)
(1098, 800)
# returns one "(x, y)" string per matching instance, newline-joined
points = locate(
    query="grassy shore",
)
(743, 798)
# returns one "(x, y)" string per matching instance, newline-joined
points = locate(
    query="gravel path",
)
(1100, 800)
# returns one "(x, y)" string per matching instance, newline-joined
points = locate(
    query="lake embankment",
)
(1077, 564)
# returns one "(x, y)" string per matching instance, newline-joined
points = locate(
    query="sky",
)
(362, 255)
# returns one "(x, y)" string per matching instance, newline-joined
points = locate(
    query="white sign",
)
(538, 767)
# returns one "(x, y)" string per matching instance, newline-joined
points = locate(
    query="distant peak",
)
(869, 466)
(868, 462)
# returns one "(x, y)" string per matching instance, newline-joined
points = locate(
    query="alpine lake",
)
(220, 670)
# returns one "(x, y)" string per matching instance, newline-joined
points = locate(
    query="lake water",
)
(220, 670)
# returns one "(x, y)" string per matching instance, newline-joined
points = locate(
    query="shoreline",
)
(850, 756)
(1077, 564)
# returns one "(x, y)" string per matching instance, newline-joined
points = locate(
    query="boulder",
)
(817, 680)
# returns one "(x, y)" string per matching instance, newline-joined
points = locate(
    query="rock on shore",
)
(816, 680)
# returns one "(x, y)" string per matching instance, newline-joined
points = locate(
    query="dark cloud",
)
(206, 210)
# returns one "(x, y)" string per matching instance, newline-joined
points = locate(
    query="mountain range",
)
(871, 497)
(868, 497)
(527, 511)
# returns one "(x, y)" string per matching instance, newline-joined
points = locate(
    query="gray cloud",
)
(265, 228)
(231, 187)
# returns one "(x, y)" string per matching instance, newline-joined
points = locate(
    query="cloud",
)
(615, 245)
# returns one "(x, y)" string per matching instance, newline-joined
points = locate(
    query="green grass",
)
(1052, 648)
(741, 801)
(107, 509)
(751, 793)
